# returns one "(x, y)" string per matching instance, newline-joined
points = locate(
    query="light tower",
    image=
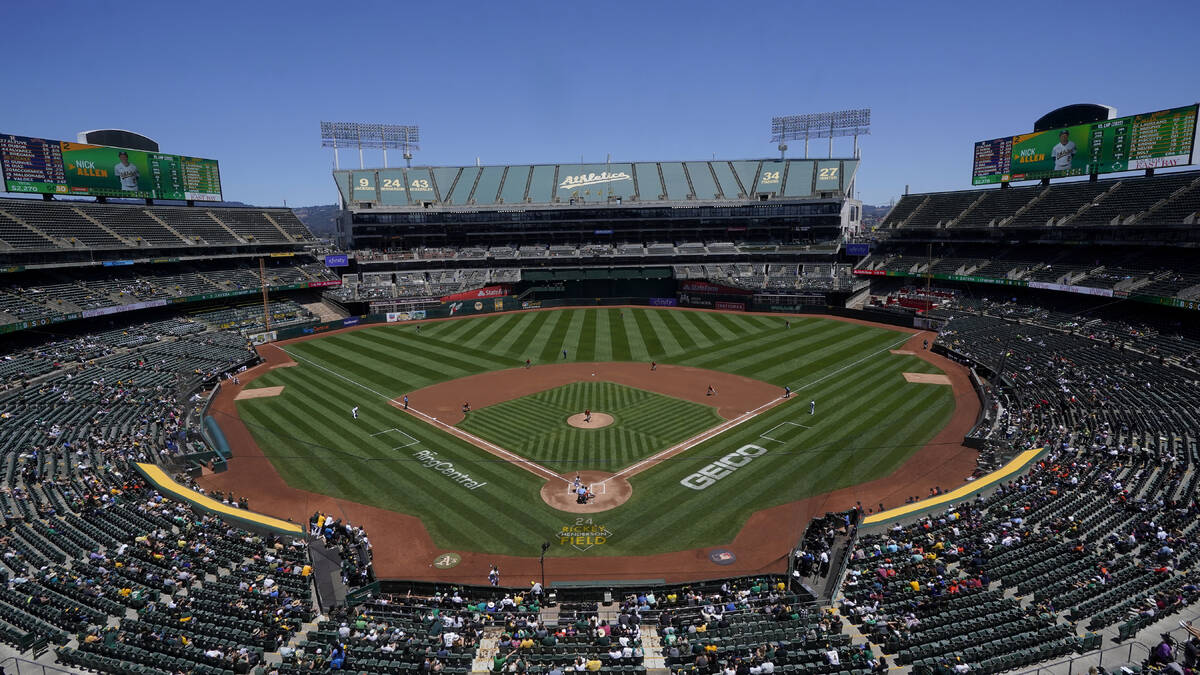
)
(820, 125)
(370, 136)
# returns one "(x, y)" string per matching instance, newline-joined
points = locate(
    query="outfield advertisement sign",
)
(337, 260)
(396, 317)
(663, 302)
(323, 284)
(731, 306)
(478, 293)
(711, 289)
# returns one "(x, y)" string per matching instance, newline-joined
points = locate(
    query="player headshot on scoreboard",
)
(1064, 152)
(127, 172)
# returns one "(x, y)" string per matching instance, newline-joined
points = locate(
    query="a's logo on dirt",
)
(447, 560)
(583, 534)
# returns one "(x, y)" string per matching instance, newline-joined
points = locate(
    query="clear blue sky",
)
(512, 82)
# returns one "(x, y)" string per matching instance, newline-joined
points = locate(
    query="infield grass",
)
(535, 426)
(868, 421)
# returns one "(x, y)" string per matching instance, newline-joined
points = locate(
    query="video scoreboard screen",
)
(64, 168)
(1148, 141)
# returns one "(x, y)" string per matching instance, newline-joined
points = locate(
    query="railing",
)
(19, 666)
(1086, 660)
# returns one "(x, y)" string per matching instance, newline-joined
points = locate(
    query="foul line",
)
(464, 435)
(744, 417)
(532, 467)
(632, 468)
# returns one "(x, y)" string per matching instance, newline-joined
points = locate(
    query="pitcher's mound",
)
(598, 420)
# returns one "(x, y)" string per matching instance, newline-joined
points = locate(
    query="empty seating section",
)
(1130, 198)
(16, 235)
(198, 226)
(35, 224)
(1166, 199)
(998, 205)
(904, 208)
(132, 223)
(60, 221)
(942, 209)
(251, 225)
(291, 225)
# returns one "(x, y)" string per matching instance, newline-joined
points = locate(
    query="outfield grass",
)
(869, 420)
(535, 426)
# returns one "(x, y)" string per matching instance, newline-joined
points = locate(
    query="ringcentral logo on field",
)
(723, 467)
(429, 459)
(585, 179)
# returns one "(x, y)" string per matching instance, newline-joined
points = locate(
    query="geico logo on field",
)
(723, 467)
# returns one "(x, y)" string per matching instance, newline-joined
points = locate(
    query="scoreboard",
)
(1147, 141)
(42, 166)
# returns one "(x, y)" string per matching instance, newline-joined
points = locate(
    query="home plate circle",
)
(598, 420)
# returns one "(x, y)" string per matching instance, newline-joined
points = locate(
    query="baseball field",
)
(699, 443)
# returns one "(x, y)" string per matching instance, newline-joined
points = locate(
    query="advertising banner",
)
(337, 260)
(733, 306)
(478, 293)
(263, 338)
(322, 284)
(395, 317)
(712, 289)
(858, 249)
(663, 302)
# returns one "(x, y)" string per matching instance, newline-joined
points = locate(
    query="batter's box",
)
(785, 432)
(596, 488)
(393, 430)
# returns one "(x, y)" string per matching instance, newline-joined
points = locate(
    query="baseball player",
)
(587, 415)
(787, 392)
(653, 366)
(406, 401)
(812, 407)
(354, 412)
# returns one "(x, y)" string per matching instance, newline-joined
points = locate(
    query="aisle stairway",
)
(487, 650)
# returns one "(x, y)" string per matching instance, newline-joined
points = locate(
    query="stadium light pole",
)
(368, 135)
(821, 125)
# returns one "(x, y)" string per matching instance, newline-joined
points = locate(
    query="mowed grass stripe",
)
(868, 420)
(649, 336)
(602, 337)
(553, 344)
(617, 336)
(580, 342)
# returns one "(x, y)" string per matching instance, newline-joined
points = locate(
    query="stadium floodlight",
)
(821, 125)
(371, 136)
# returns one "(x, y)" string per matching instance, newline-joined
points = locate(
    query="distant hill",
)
(322, 220)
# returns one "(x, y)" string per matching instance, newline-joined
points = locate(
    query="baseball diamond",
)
(513, 439)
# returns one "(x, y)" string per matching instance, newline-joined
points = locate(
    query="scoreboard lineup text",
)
(1148, 141)
(38, 165)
